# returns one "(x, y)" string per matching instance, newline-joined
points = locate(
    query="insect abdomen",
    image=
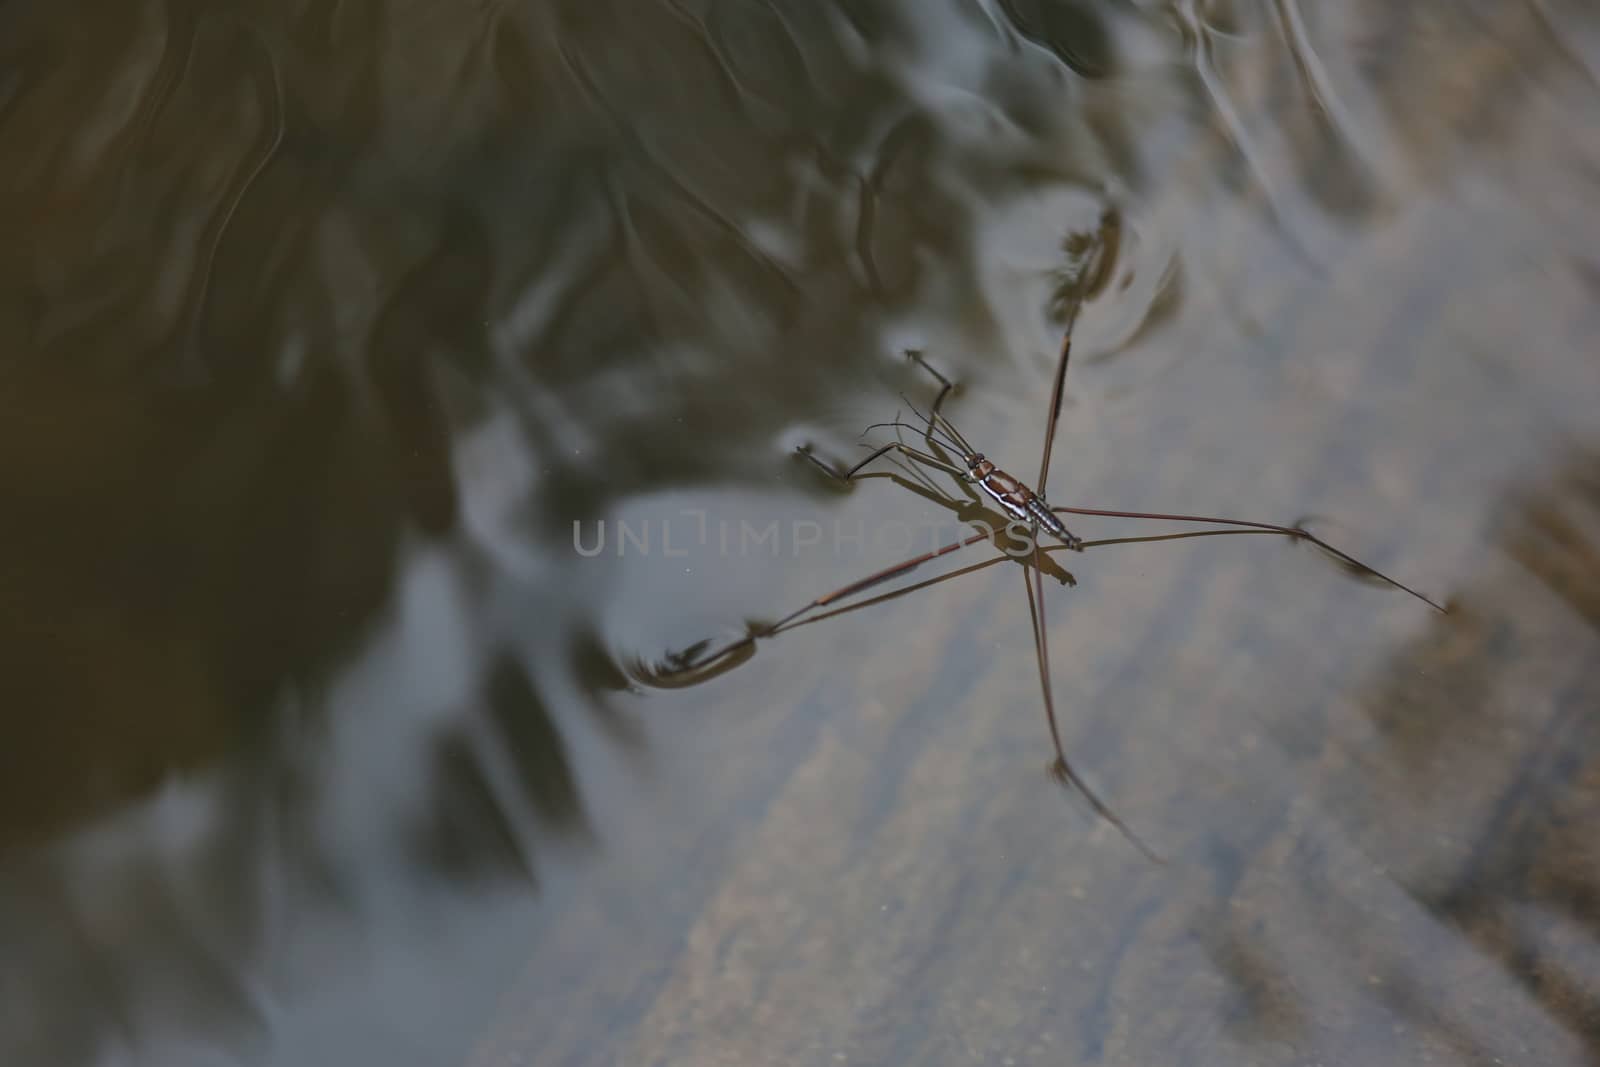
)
(1008, 493)
(1040, 512)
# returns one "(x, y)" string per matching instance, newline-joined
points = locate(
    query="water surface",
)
(324, 326)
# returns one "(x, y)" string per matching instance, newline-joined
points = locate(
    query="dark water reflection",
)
(321, 325)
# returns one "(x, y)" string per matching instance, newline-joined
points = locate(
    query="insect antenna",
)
(938, 423)
(945, 442)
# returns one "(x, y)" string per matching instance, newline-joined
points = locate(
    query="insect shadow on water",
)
(947, 451)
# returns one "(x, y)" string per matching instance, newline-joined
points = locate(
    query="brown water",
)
(321, 326)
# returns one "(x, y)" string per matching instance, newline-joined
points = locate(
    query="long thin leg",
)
(1062, 769)
(1057, 394)
(685, 662)
(876, 578)
(918, 472)
(1288, 531)
(691, 661)
(935, 418)
(1047, 551)
(945, 384)
(1093, 273)
(892, 446)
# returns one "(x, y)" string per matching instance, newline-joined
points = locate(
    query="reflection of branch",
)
(1558, 538)
(1537, 846)
(1506, 785)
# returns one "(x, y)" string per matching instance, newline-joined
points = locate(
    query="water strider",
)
(948, 451)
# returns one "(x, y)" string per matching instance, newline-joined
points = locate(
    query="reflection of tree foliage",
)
(476, 827)
(337, 335)
(1073, 30)
(1556, 538)
(321, 251)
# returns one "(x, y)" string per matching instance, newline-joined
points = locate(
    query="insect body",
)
(1017, 500)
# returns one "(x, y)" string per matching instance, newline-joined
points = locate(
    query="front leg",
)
(946, 386)
(894, 446)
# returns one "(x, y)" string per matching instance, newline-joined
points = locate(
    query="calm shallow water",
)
(323, 326)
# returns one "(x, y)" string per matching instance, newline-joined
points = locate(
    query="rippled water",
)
(333, 338)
